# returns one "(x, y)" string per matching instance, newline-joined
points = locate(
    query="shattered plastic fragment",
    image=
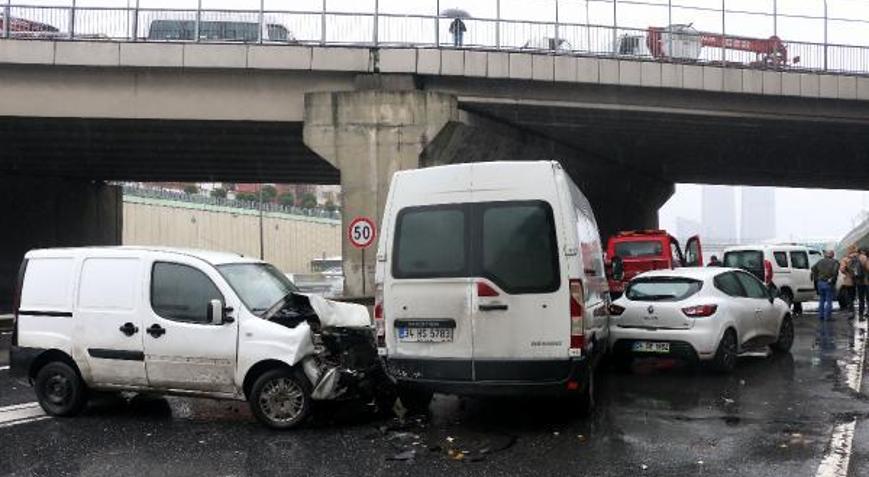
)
(450, 439)
(643, 466)
(406, 455)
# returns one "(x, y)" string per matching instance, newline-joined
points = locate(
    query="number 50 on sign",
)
(362, 232)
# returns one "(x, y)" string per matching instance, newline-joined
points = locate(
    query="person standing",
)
(861, 281)
(458, 29)
(714, 262)
(825, 273)
(851, 269)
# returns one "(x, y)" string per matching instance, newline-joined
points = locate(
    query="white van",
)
(490, 280)
(788, 267)
(183, 322)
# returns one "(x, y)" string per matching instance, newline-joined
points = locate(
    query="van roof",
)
(212, 257)
(741, 248)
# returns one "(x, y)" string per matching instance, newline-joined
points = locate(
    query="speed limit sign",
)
(362, 232)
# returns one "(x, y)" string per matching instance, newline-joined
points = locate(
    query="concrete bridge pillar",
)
(368, 136)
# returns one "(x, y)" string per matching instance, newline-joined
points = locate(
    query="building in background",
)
(757, 214)
(718, 214)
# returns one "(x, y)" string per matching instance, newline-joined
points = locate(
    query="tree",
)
(330, 206)
(269, 193)
(191, 189)
(247, 196)
(219, 193)
(287, 199)
(309, 201)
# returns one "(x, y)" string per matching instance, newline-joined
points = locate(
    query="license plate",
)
(651, 347)
(425, 335)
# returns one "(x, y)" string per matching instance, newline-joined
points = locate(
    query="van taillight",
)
(577, 300)
(379, 322)
(767, 272)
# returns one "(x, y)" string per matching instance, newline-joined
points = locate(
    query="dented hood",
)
(338, 314)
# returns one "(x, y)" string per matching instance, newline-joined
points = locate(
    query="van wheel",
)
(725, 357)
(415, 400)
(281, 398)
(586, 399)
(60, 390)
(785, 336)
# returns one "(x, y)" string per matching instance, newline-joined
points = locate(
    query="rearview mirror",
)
(215, 312)
(618, 268)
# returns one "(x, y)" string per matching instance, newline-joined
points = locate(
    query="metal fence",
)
(232, 203)
(721, 40)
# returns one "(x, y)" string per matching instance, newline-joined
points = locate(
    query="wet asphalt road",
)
(772, 417)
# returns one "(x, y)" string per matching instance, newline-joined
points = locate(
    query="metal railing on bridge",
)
(672, 39)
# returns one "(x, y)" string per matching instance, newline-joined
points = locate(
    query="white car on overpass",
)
(711, 314)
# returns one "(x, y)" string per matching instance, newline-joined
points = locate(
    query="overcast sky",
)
(800, 213)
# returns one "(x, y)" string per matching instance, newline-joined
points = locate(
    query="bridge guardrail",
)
(268, 26)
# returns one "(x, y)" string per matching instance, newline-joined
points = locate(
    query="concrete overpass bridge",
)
(627, 129)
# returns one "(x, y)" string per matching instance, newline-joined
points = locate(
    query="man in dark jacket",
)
(825, 273)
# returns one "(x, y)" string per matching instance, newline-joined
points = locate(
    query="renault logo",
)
(650, 309)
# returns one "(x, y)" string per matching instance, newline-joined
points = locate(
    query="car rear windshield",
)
(745, 259)
(646, 248)
(662, 289)
(511, 243)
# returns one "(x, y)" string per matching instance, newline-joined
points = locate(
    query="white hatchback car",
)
(710, 314)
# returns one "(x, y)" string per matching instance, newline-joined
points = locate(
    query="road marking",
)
(4, 368)
(838, 457)
(21, 414)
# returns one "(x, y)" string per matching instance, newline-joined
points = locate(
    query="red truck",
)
(633, 252)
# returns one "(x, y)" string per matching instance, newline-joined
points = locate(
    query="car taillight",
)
(616, 310)
(483, 289)
(379, 322)
(700, 311)
(577, 333)
(767, 272)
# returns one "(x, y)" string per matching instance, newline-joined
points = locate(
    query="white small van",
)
(788, 267)
(184, 322)
(490, 280)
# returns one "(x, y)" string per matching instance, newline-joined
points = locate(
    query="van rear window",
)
(751, 260)
(430, 242)
(511, 243)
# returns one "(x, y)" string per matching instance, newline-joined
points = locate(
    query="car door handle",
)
(156, 330)
(129, 329)
(494, 307)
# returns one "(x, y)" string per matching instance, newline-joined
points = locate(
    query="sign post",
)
(362, 232)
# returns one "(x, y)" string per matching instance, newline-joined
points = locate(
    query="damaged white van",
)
(185, 322)
(490, 280)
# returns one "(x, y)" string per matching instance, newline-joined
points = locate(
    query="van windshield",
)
(511, 243)
(644, 248)
(259, 285)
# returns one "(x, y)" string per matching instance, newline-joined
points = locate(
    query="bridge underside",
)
(160, 150)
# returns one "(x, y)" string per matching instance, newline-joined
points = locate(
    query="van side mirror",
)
(618, 268)
(216, 313)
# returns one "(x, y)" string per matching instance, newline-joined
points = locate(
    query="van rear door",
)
(517, 314)
(428, 312)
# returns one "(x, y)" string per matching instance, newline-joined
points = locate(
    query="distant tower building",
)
(718, 214)
(757, 217)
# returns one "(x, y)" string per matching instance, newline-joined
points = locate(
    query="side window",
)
(729, 284)
(781, 259)
(800, 260)
(181, 292)
(753, 287)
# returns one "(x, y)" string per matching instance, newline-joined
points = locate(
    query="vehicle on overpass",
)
(685, 43)
(708, 314)
(548, 43)
(490, 280)
(193, 323)
(787, 267)
(630, 253)
(219, 31)
(23, 28)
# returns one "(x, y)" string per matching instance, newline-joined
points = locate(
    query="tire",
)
(60, 390)
(586, 399)
(785, 336)
(725, 357)
(281, 398)
(414, 399)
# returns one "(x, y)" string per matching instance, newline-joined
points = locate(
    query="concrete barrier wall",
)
(291, 241)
